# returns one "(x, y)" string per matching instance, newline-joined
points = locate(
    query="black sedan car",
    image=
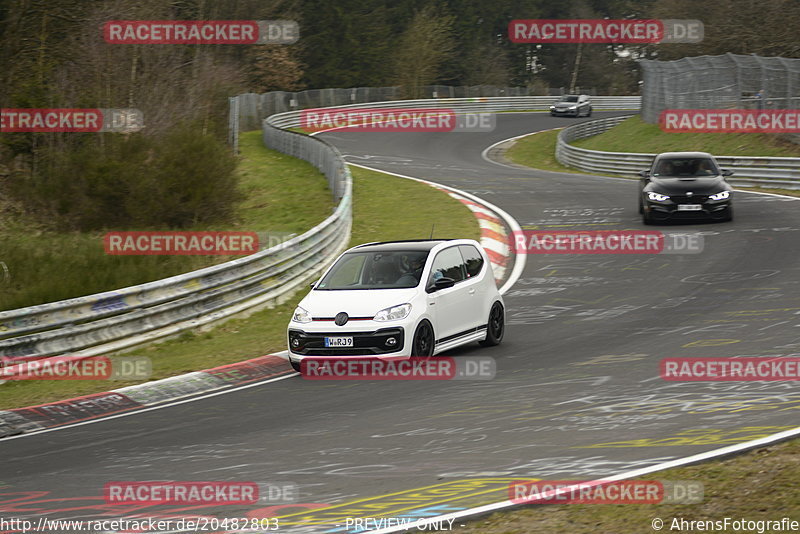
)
(685, 185)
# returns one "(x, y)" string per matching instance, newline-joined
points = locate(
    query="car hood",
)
(356, 303)
(698, 186)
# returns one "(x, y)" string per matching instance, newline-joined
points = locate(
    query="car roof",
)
(684, 155)
(409, 244)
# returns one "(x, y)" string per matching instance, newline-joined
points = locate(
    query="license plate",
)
(689, 207)
(340, 341)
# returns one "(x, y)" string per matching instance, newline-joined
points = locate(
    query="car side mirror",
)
(313, 284)
(644, 174)
(441, 283)
(726, 172)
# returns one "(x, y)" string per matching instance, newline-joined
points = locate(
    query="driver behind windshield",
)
(704, 168)
(685, 167)
(412, 266)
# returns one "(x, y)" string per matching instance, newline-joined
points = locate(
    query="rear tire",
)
(496, 327)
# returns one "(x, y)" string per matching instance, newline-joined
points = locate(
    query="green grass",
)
(758, 485)
(538, 151)
(381, 212)
(283, 195)
(635, 135)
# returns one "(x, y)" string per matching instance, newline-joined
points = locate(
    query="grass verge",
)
(381, 212)
(538, 151)
(635, 135)
(282, 195)
(758, 485)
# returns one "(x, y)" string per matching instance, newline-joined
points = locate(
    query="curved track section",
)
(577, 393)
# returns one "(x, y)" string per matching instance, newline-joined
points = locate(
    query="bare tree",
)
(274, 68)
(169, 84)
(424, 47)
(487, 64)
(766, 28)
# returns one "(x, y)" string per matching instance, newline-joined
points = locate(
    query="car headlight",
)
(722, 195)
(394, 313)
(301, 315)
(573, 107)
(552, 108)
(658, 197)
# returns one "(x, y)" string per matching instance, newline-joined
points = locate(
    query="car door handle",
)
(472, 291)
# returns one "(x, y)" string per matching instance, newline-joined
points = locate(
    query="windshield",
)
(686, 167)
(570, 99)
(375, 270)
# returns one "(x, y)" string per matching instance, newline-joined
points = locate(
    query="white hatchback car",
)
(401, 298)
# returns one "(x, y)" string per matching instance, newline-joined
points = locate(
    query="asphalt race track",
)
(577, 393)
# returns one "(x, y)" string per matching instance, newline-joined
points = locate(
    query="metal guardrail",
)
(248, 107)
(291, 119)
(115, 320)
(749, 171)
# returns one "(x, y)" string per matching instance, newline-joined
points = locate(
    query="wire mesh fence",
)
(728, 81)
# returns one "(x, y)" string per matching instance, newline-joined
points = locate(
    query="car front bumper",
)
(671, 210)
(564, 112)
(384, 341)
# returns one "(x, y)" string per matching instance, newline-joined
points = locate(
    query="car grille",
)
(685, 199)
(364, 343)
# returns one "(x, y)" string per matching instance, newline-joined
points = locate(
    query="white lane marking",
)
(623, 476)
(519, 259)
(768, 194)
(137, 411)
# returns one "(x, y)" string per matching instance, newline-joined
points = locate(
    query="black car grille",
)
(686, 199)
(364, 343)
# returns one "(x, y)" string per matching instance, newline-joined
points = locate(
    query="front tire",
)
(646, 218)
(496, 328)
(424, 340)
(295, 365)
(728, 214)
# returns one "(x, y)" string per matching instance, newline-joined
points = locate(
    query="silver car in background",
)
(572, 106)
